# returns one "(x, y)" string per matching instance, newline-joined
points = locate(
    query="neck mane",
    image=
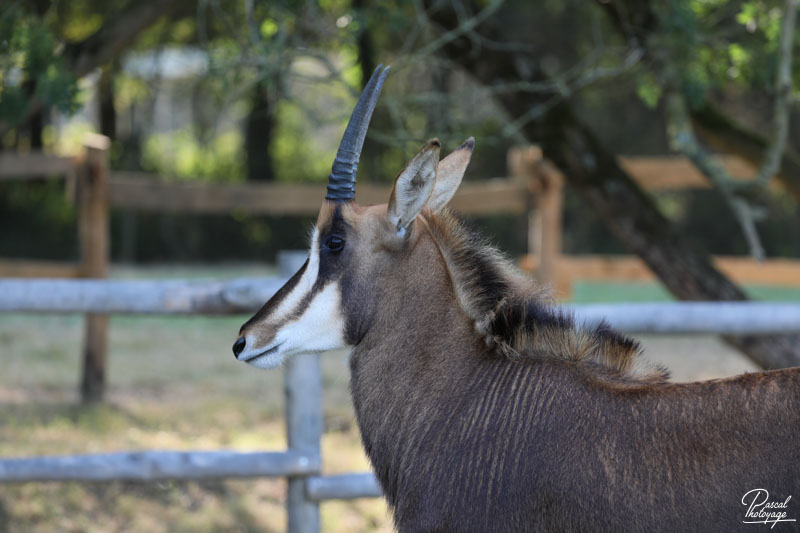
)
(517, 318)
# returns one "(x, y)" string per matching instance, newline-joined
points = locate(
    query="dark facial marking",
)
(331, 258)
(358, 312)
(277, 298)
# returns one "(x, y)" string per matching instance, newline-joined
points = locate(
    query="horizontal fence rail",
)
(140, 192)
(199, 297)
(343, 487)
(246, 295)
(34, 166)
(735, 318)
(158, 465)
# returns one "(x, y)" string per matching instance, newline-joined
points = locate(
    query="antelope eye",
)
(334, 243)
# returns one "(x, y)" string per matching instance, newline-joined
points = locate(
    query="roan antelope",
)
(483, 408)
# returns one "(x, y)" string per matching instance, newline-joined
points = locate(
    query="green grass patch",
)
(595, 292)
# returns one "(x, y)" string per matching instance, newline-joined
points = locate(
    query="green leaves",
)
(268, 28)
(648, 90)
(715, 44)
(761, 16)
(179, 154)
(30, 66)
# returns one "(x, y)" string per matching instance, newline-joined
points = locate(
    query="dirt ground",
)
(173, 384)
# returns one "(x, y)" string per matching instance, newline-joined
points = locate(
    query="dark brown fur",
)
(482, 408)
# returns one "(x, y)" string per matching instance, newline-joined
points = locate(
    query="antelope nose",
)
(238, 346)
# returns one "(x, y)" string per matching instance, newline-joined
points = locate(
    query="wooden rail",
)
(247, 295)
(303, 392)
(169, 297)
(139, 191)
(663, 173)
(21, 268)
(153, 465)
(343, 487)
(570, 268)
(34, 166)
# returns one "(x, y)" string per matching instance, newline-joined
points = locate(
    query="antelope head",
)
(331, 302)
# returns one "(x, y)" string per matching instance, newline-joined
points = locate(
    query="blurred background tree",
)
(234, 90)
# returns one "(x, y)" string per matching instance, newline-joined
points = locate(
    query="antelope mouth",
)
(256, 358)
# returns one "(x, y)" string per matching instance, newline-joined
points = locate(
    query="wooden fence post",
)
(546, 197)
(94, 243)
(551, 201)
(303, 396)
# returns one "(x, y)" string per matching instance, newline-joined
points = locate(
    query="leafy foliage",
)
(30, 66)
(179, 154)
(717, 44)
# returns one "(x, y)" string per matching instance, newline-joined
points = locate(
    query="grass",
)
(591, 292)
(173, 384)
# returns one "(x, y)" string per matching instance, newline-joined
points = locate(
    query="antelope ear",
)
(448, 175)
(413, 186)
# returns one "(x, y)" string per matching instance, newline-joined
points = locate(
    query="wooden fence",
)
(535, 189)
(547, 262)
(568, 269)
(301, 462)
(96, 190)
(86, 178)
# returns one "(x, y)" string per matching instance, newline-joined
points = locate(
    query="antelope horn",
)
(342, 180)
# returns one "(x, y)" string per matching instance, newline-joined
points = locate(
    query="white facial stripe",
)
(284, 309)
(319, 328)
(303, 287)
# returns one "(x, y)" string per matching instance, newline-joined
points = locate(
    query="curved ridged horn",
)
(342, 180)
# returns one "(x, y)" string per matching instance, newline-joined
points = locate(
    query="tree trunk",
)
(258, 136)
(37, 119)
(372, 150)
(628, 212)
(36, 128)
(105, 97)
(366, 48)
(34, 125)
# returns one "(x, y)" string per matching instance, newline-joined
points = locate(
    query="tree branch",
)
(725, 135)
(682, 139)
(104, 45)
(783, 97)
(640, 23)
